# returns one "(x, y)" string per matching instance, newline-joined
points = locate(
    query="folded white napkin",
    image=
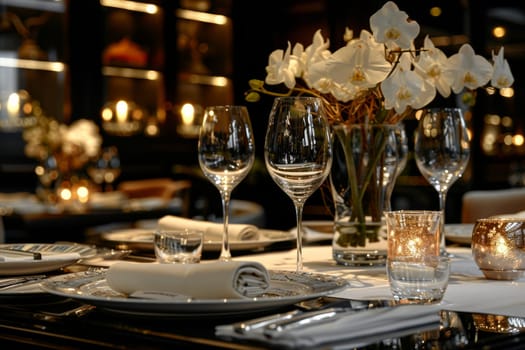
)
(348, 330)
(212, 231)
(214, 280)
(6, 256)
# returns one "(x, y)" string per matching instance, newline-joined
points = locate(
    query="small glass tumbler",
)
(181, 246)
(417, 273)
(418, 280)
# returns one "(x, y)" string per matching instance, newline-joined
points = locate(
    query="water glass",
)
(418, 280)
(417, 273)
(178, 246)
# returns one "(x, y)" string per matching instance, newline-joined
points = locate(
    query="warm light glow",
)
(31, 64)
(499, 32)
(83, 194)
(507, 122)
(107, 114)
(187, 113)
(435, 11)
(131, 5)
(65, 194)
(501, 247)
(202, 16)
(13, 105)
(121, 111)
(507, 92)
(518, 140)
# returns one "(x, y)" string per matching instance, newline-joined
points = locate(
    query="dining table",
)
(475, 313)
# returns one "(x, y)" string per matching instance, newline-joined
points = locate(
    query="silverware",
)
(12, 282)
(36, 255)
(304, 320)
(260, 322)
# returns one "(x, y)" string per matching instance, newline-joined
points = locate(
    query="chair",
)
(484, 203)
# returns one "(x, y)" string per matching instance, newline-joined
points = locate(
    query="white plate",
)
(142, 239)
(25, 267)
(459, 233)
(286, 288)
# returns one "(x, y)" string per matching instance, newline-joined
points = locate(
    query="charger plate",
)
(286, 288)
(54, 253)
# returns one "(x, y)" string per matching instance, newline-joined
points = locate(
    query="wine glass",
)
(442, 151)
(298, 151)
(226, 151)
(106, 168)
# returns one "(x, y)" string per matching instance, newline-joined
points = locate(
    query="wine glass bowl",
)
(442, 152)
(226, 152)
(298, 151)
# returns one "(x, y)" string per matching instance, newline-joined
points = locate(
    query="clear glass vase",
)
(365, 162)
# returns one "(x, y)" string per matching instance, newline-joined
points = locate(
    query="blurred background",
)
(144, 71)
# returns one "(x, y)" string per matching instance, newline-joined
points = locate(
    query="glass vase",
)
(365, 162)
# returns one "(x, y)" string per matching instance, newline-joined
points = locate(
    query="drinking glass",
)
(442, 151)
(106, 168)
(226, 151)
(298, 151)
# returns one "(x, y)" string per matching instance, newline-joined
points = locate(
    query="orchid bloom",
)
(465, 69)
(430, 64)
(502, 77)
(392, 27)
(278, 69)
(361, 63)
(405, 88)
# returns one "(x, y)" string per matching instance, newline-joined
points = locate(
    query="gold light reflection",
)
(507, 92)
(518, 140)
(435, 11)
(499, 32)
(131, 5)
(202, 16)
(31, 64)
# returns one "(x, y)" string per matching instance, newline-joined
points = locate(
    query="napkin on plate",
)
(6, 256)
(212, 231)
(214, 280)
(349, 329)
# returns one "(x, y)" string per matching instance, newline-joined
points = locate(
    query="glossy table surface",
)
(49, 321)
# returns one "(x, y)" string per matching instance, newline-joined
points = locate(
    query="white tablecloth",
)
(468, 289)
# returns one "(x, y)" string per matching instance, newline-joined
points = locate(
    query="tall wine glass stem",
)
(299, 219)
(225, 250)
(442, 206)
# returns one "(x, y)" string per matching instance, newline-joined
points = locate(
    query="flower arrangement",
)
(378, 77)
(72, 145)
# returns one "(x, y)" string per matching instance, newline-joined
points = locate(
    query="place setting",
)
(178, 283)
(243, 237)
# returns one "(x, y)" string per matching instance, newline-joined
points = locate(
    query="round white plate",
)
(50, 263)
(459, 233)
(286, 288)
(142, 239)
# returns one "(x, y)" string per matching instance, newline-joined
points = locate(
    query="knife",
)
(15, 251)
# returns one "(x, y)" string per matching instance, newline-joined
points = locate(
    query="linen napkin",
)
(348, 329)
(214, 280)
(212, 231)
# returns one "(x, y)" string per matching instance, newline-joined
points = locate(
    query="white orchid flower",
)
(502, 76)
(393, 28)
(405, 88)
(465, 69)
(278, 69)
(430, 64)
(360, 63)
(313, 54)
